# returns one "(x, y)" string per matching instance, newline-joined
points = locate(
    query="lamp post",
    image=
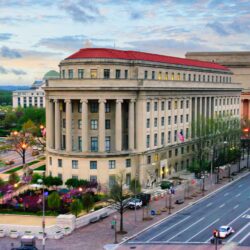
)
(135, 194)
(203, 184)
(114, 223)
(40, 181)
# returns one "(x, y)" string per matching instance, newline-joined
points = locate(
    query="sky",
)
(35, 35)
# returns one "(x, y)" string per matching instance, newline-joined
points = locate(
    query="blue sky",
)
(36, 34)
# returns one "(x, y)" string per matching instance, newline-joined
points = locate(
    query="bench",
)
(179, 201)
(103, 215)
(94, 219)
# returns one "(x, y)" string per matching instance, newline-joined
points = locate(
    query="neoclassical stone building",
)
(114, 110)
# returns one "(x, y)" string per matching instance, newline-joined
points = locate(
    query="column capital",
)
(119, 101)
(132, 100)
(56, 100)
(102, 101)
(67, 100)
(84, 101)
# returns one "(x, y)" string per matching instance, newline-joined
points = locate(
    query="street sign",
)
(113, 222)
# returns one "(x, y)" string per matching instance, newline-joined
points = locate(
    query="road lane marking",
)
(185, 229)
(222, 205)
(238, 195)
(226, 194)
(246, 236)
(209, 204)
(235, 235)
(240, 186)
(168, 229)
(202, 230)
(236, 206)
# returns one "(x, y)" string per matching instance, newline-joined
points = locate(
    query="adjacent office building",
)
(129, 111)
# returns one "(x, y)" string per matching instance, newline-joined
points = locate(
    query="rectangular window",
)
(93, 73)
(194, 77)
(169, 120)
(128, 163)
(187, 118)
(75, 164)
(111, 164)
(176, 152)
(182, 150)
(175, 135)
(79, 124)
(155, 122)
(94, 144)
(93, 164)
(187, 104)
(175, 104)
(162, 121)
(169, 105)
(181, 104)
(149, 159)
(148, 123)
(159, 75)
(172, 76)
(128, 179)
(204, 78)
(118, 74)
(106, 73)
(145, 74)
(94, 124)
(162, 105)
(126, 74)
(162, 138)
(80, 73)
(166, 76)
(79, 143)
(169, 153)
(64, 123)
(107, 143)
(181, 119)
(63, 73)
(175, 119)
(148, 141)
(184, 77)
(70, 73)
(107, 107)
(148, 106)
(178, 76)
(187, 133)
(169, 136)
(107, 124)
(93, 178)
(59, 176)
(153, 75)
(59, 163)
(155, 139)
(212, 78)
(155, 106)
(189, 77)
(94, 107)
(79, 107)
(199, 78)
(112, 180)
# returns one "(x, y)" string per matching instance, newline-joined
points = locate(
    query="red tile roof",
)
(142, 56)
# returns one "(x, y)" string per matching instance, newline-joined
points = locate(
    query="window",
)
(162, 121)
(118, 74)
(199, 78)
(162, 105)
(175, 104)
(126, 74)
(93, 178)
(80, 73)
(184, 77)
(187, 133)
(93, 107)
(63, 73)
(64, 123)
(175, 119)
(93, 124)
(169, 136)
(128, 179)
(162, 138)
(93, 164)
(187, 104)
(181, 104)
(153, 75)
(79, 143)
(74, 164)
(189, 77)
(187, 118)
(145, 74)
(159, 75)
(172, 76)
(166, 76)
(194, 77)
(93, 73)
(59, 176)
(70, 73)
(176, 152)
(79, 124)
(107, 107)
(155, 139)
(59, 163)
(111, 164)
(178, 76)
(212, 78)
(106, 73)
(169, 120)
(175, 135)
(107, 143)
(94, 144)
(149, 159)
(169, 153)
(187, 149)
(155, 122)
(107, 124)
(148, 123)
(148, 106)
(128, 163)
(169, 105)
(112, 180)
(50, 161)
(155, 106)
(181, 119)
(148, 141)
(182, 150)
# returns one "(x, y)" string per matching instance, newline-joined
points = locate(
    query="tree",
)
(135, 186)
(13, 178)
(88, 201)
(1, 182)
(75, 183)
(30, 127)
(76, 207)
(51, 181)
(35, 178)
(54, 201)
(119, 196)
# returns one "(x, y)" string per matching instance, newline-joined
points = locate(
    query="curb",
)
(188, 205)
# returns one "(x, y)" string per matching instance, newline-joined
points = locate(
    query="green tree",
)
(88, 201)
(13, 178)
(1, 182)
(35, 178)
(72, 182)
(51, 181)
(135, 186)
(54, 201)
(76, 207)
(30, 127)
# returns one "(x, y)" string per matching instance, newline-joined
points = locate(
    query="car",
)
(135, 203)
(224, 231)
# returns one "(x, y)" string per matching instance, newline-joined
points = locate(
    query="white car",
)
(224, 231)
(135, 203)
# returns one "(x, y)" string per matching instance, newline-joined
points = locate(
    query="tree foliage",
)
(135, 186)
(1, 182)
(76, 207)
(54, 201)
(51, 181)
(88, 201)
(13, 178)
(35, 178)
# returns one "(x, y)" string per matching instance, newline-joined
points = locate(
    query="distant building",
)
(239, 64)
(35, 96)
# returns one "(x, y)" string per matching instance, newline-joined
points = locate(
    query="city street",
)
(194, 225)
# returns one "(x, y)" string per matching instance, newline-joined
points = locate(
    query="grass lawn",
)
(20, 167)
(41, 168)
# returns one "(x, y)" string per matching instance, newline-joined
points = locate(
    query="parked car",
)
(135, 203)
(224, 231)
(35, 152)
(10, 162)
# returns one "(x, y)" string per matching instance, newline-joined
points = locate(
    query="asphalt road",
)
(194, 225)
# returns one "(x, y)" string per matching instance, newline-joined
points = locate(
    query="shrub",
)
(166, 185)
(13, 178)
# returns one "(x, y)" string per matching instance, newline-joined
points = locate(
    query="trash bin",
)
(153, 212)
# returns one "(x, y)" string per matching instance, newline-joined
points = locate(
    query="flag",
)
(181, 136)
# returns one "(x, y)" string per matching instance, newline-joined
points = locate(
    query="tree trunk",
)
(121, 218)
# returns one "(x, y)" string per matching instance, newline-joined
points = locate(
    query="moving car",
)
(224, 231)
(135, 203)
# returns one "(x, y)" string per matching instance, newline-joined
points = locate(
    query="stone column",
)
(84, 133)
(159, 124)
(101, 139)
(68, 125)
(152, 111)
(131, 129)
(57, 125)
(166, 112)
(195, 116)
(49, 123)
(118, 125)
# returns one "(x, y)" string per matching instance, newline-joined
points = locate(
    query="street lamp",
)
(40, 181)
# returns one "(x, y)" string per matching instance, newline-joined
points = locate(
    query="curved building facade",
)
(114, 110)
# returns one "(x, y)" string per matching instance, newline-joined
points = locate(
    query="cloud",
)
(218, 28)
(18, 72)
(5, 36)
(9, 53)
